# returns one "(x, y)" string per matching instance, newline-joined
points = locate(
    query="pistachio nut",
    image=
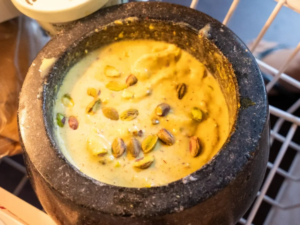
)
(93, 92)
(134, 147)
(144, 163)
(60, 119)
(166, 137)
(127, 94)
(73, 122)
(102, 152)
(149, 143)
(93, 107)
(118, 147)
(118, 164)
(162, 109)
(155, 120)
(111, 71)
(110, 113)
(138, 133)
(181, 90)
(197, 114)
(95, 146)
(195, 146)
(129, 114)
(131, 80)
(116, 86)
(67, 101)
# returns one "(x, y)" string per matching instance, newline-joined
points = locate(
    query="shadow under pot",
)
(220, 192)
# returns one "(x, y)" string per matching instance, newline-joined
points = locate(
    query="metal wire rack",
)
(282, 118)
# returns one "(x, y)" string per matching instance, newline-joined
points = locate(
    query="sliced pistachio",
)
(118, 147)
(144, 163)
(93, 92)
(60, 119)
(93, 107)
(129, 114)
(162, 109)
(110, 113)
(127, 94)
(149, 143)
(67, 100)
(181, 90)
(134, 147)
(197, 114)
(138, 133)
(166, 137)
(195, 146)
(95, 146)
(116, 86)
(155, 120)
(102, 152)
(111, 71)
(73, 122)
(118, 164)
(131, 80)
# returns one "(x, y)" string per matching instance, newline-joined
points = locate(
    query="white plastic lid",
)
(58, 11)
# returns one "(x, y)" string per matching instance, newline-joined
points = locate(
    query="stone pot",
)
(218, 193)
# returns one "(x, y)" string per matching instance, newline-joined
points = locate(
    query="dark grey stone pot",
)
(218, 193)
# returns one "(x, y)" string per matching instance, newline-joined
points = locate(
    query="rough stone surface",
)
(219, 193)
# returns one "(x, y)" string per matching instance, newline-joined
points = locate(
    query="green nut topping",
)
(67, 101)
(144, 163)
(118, 147)
(129, 114)
(166, 137)
(111, 71)
(60, 119)
(195, 146)
(134, 147)
(110, 113)
(197, 114)
(93, 92)
(149, 143)
(162, 109)
(116, 86)
(131, 80)
(73, 122)
(181, 90)
(93, 107)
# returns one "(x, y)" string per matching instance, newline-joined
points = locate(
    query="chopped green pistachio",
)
(93, 107)
(111, 71)
(60, 119)
(197, 114)
(93, 92)
(67, 100)
(116, 86)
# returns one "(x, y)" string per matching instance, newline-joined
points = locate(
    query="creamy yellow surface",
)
(159, 67)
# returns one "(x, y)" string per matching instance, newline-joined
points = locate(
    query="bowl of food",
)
(145, 113)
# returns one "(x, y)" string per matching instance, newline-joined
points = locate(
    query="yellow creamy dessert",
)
(140, 114)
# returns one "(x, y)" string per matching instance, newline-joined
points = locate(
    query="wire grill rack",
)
(269, 205)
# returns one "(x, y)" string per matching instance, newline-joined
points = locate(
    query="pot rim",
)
(197, 187)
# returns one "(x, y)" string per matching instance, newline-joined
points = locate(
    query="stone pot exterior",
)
(218, 193)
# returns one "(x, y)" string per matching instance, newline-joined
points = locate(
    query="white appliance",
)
(7, 10)
(54, 15)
